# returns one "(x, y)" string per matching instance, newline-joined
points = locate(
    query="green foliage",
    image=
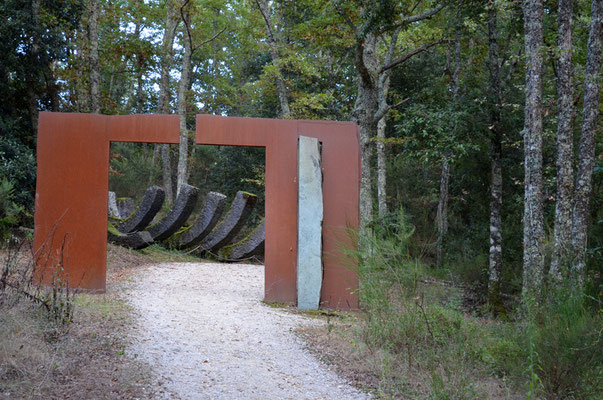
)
(18, 166)
(561, 343)
(9, 210)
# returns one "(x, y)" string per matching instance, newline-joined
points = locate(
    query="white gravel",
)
(207, 335)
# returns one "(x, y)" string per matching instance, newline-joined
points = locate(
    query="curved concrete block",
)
(252, 245)
(135, 240)
(178, 214)
(210, 216)
(149, 207)
(232, 223)
(126, 207)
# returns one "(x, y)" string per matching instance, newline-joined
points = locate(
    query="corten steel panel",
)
(72, 192)
(72, 189)
(341, 171)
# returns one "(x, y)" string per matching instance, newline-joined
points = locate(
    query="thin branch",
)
(419, 17)
(407, 56)
(211, 39)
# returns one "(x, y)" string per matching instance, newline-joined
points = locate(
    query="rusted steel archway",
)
(72, 193)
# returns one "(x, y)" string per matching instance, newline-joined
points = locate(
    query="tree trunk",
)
(31, 79)
(533, 220)
(586, 155)
(95, 93)
(273, 44)
(183, 88)
(565, 145)
(171, 24)
(167, 173)
(381, 169)
(364, 115)
(496, 191)
(442, 214)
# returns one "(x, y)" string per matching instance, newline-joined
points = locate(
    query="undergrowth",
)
(418, 331)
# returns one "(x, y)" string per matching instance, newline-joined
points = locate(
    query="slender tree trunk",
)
(533, 220)
(586, 155)
(31, 80)
(496, 190)
(183, 88)
(382, 91)
(95, 93)
(171, 24)
(273, 44)
(364, 113)
(442, 214)
(381, 169)
(565, 145)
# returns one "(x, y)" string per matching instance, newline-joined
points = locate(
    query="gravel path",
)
(204, 330)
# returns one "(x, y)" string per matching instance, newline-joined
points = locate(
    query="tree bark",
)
(442, 214)
(565, 145)
(273, 44)
(95, 93)
(496, 190)
(183, 88)
(533, 220)
(586, 154)
(171, 24)
(381, 169)
(364, 112)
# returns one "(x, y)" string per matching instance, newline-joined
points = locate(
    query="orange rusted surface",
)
(341, 188)
(72, 189)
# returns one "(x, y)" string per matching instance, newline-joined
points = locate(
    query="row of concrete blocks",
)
(212, 233)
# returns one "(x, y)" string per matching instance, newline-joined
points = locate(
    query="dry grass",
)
(387, 375)
(85, 359)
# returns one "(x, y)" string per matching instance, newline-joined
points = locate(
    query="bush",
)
(18, 166)
(563, 345)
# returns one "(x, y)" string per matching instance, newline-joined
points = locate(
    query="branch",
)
(419, 17)
(407, 56)
(382, 111)
(211, 39)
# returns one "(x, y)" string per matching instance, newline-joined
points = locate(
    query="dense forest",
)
(479, 123)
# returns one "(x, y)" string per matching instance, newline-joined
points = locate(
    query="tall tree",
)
(368, 111)
(533, 219)
(565, 142)
(496, 190)
(274, 42)
(95, 80)
(442, 211)
(586, 153)
(183, 88)
(172, 20)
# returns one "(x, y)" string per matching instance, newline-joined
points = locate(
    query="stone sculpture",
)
(208, 219)
(178, 214)
(252, 245)
(232, 223)
(149, 207)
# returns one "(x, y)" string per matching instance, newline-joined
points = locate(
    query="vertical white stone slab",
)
(309, 224)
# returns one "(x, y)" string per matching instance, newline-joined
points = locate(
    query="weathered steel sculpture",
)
(147, 209)
(208, 219)
(72, 193)
(179, 213)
